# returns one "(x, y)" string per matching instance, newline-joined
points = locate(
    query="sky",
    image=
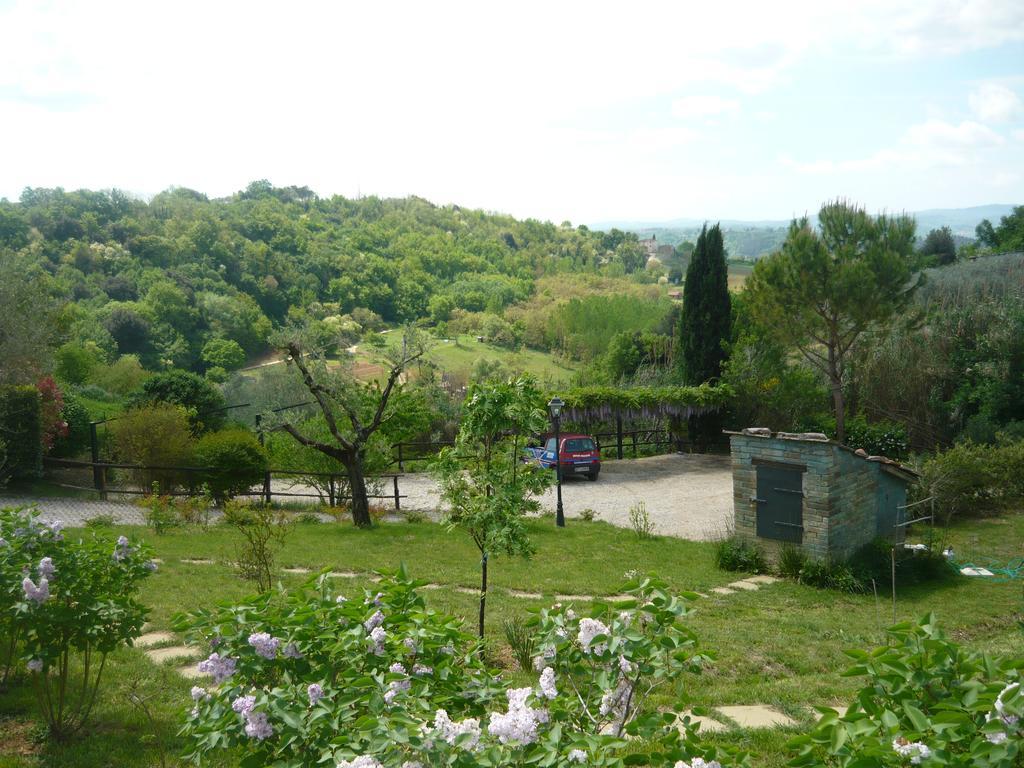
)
(584, 112)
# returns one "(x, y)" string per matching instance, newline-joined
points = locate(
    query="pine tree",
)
(706, 319)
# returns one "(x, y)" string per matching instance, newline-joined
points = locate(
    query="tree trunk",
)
(836, 380)
(483, 591)
(357, 488)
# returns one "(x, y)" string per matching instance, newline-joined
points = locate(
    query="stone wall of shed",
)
(854, 500)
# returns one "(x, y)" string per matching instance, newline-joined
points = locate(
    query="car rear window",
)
(578, 445)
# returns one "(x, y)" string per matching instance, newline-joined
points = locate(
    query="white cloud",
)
(689, 107)
(940, 134)
(995, 103)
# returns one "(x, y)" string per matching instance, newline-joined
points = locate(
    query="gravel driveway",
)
(689, 496)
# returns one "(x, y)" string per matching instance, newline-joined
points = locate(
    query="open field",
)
(781, 645)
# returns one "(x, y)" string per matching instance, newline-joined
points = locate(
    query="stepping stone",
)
(706, 724)
(160, 655)
(576, 598)
(757, 716)
(467, 591)
(744, 585)
(295, 570)
(196, 561)
(969, 571)
(192, 672)
(342, 574)
(723, 591)
(617, 598)
(157, 560)
(525, 595)
(153, 638)
(763, 579)
(430, 586)
(839, 708)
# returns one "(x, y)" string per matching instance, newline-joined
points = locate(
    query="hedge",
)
(21, 432)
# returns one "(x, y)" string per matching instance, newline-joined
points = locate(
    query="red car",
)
(579, 455)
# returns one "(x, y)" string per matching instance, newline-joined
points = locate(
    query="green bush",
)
(972, 479)
(880, 438)
(76, 416)
(153, 436)
(234, 460)
(202, 399)
(124, 376)
(735, 554)
(868, 569)
(21, 430)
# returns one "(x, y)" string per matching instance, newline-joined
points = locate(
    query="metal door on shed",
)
(780, 501)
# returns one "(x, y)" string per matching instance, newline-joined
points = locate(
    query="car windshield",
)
(578, 445)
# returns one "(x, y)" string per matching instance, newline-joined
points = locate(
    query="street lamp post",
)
(555, 409)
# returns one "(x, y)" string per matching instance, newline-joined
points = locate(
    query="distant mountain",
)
(753, 239)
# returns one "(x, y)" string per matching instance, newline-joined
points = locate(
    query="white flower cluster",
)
(363, 761)
(547, 683)
(547, 656)
(698, 762)
(422, 669)
(915, 750)
(46, 568)
(1011, 723)
(577, 756)
(374, 621)
(291, 651)
(377, 637)
(589, 629)
(519, 724)
(449, 731)
(218, 667)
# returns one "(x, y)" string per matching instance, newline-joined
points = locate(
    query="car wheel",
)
(592, 476)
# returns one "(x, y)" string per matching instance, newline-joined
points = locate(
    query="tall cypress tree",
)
(706, 319)
(705, 323)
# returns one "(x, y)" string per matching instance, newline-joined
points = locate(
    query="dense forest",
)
(103, 290)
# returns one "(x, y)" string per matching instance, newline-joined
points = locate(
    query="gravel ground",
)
(689, 496)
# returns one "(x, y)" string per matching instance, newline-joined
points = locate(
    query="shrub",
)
(76, 363)
(21, 430)
(792, 560)
(155, 435)
(971, 479)
(124, 376)
(522, 642)
(926, 701)
(234, 461)
(76, 436)
(881, 438)
(736, 554)
(160, 513)
(264, 531)
(313, 678)
(202, 399)
(64, 599)
(223, 353)
(640, 521)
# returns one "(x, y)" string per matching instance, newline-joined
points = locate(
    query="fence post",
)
(633, 436)
(190, 481)
(330, 489)
(267, 496)
(398, 503)
(401, 468)
(618, 435)
(98, 480)
(259, 429)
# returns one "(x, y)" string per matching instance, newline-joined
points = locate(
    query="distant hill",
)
(753, 239)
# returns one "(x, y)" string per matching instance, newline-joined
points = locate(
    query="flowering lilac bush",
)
(928, 702)
(382, 681)
(65, 599)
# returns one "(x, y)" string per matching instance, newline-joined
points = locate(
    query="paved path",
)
(689, 496)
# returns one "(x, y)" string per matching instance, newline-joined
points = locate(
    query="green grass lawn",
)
(458, 359)
(781, 646)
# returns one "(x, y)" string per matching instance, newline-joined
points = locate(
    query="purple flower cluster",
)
(199, 693)
(243, 705)
(265, 645)
(122, 550)
(547, 683)
(38, 594)
(35, 665)
(315, 692)
(55, 530)
(291, 651)
(377, 637)
(374, 621)
(396, 687)
(257, 726)
(220, 668)
(422, 669)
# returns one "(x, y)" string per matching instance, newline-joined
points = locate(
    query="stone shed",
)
(812, 492)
